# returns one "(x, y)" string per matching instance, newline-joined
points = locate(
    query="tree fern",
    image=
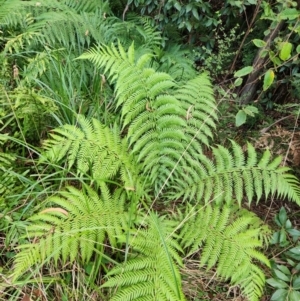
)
(74, 225)
(232, 175)
(94, 149)
(154, 110)
(152, 272)
(229, 240)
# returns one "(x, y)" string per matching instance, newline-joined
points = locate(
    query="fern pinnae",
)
(263, 163)
(151, 272)
(248, 184)
(251, 155)
(288, 186)
(238, 154)
(230, 243)
(82, 229)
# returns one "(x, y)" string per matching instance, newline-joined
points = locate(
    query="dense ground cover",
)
(149, 150)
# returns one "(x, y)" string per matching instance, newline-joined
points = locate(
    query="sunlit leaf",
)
(268, 79)
(240, 118)
(289, 13)
(259, 43)
(244, 71)
(285, 52)
(238, 81)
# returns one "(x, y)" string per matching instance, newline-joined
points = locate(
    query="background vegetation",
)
(149, 150)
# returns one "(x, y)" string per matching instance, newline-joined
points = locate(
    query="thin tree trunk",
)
(247, 92)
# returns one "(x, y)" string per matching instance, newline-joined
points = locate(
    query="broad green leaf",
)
(281, 276)
(240, 118)
(244, 71)
(279, 295)
(177, 6)
(195, 13)
(251, 110)
(285, 52)
(274, 58)
(284, 270)
(298, 49)
(289, 13)
(275, 238)
(189, 7)
(296, 283)
(188, 26)
(294, 296)
(282, 238)
(294, 233)
(259, 43)
(268, 79)
(297, 267)
(288, 224)
(238, 81)
(263, 53)
(295, 250)
(277, 283)
(282, 216)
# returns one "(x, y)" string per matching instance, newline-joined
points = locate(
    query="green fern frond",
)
(93, 148)
(197, 100)
(232, 175)
(229, 239)
(73, 227)
(146, 35)
(161, 118)
(7, 180)
(152, 272)
(68, 24)
(177, 62)
(7, 7)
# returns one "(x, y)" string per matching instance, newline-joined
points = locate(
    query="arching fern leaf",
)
(73, 227)
(152, 272)
(229, 240)
(92, 148)
(160, 117)
(232, 175)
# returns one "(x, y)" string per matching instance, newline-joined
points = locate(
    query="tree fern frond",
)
(73, 228)
(196, 97)
(157, 113)
(93, 148)
(70, 24)
(228, 177)
(152, 272)
(7, 7)
(152, 115)
(229, 240)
